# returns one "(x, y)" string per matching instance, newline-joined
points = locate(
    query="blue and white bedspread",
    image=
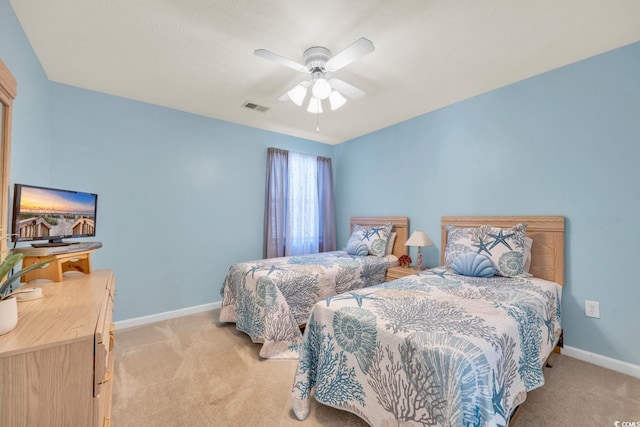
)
(433, 348)
(268, 299)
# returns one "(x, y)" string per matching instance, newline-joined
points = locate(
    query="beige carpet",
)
(193, 371)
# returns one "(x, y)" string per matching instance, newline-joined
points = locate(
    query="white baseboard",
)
(129, 323)
(604, 361)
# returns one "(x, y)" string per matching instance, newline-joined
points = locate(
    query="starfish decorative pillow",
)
(375, 237)
(505, 247)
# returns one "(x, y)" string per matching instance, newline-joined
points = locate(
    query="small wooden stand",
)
(58, 264)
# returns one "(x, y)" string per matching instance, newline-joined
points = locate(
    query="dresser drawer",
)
(103, 401)
(104, 343)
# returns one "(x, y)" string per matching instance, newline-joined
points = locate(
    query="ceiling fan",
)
(318, 62)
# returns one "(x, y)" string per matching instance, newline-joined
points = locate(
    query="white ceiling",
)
(197, 55)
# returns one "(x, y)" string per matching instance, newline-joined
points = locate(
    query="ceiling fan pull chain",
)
(318, 121)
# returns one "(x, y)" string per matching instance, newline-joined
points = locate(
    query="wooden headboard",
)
(400, 226)
(547, 232)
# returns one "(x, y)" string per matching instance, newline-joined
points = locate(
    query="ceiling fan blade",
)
(263, 53)
(357, 49)
(346, 89)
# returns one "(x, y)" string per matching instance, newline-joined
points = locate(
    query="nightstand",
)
(394, 273)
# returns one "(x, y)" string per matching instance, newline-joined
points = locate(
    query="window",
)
(299, 208)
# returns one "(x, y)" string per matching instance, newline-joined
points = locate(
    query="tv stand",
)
(58, 264)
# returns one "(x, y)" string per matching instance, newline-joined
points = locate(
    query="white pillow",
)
(392, 238)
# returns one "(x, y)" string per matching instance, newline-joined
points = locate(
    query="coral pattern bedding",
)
(434, 348)
(268, 299)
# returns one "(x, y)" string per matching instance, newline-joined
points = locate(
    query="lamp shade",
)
(297, 94)
(321, 88)
(419, 238)
(315, 106)
(337, 100)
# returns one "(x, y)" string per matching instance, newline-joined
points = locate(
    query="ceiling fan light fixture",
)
(317, 62)
(297, 94)
(315, 106)
(321, 88)
(336, 100)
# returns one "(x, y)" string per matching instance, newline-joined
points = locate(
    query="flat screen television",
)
(52, 214)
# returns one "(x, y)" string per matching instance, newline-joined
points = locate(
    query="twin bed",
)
(433, 348)
(439, 348)
(270, 299)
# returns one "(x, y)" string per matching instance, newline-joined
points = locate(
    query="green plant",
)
(9, 282)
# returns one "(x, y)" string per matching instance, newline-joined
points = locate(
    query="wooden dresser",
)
(56, 366)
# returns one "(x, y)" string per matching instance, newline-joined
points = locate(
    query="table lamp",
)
(419, 239)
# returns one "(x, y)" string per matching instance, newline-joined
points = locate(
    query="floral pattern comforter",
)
(433, 348)
(268, 299)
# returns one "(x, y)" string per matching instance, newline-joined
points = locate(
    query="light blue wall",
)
(180, 196)
(566, 142)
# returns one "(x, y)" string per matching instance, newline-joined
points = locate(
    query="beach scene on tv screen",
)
(46, 212)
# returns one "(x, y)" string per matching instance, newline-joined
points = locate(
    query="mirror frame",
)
(8, 87)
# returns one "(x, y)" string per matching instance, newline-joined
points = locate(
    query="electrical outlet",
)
(592, 309)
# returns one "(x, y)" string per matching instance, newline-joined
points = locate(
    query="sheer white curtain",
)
(302, 235)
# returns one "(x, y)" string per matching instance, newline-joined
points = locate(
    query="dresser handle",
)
(112, 336)
(107, 376)
(107, 422)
